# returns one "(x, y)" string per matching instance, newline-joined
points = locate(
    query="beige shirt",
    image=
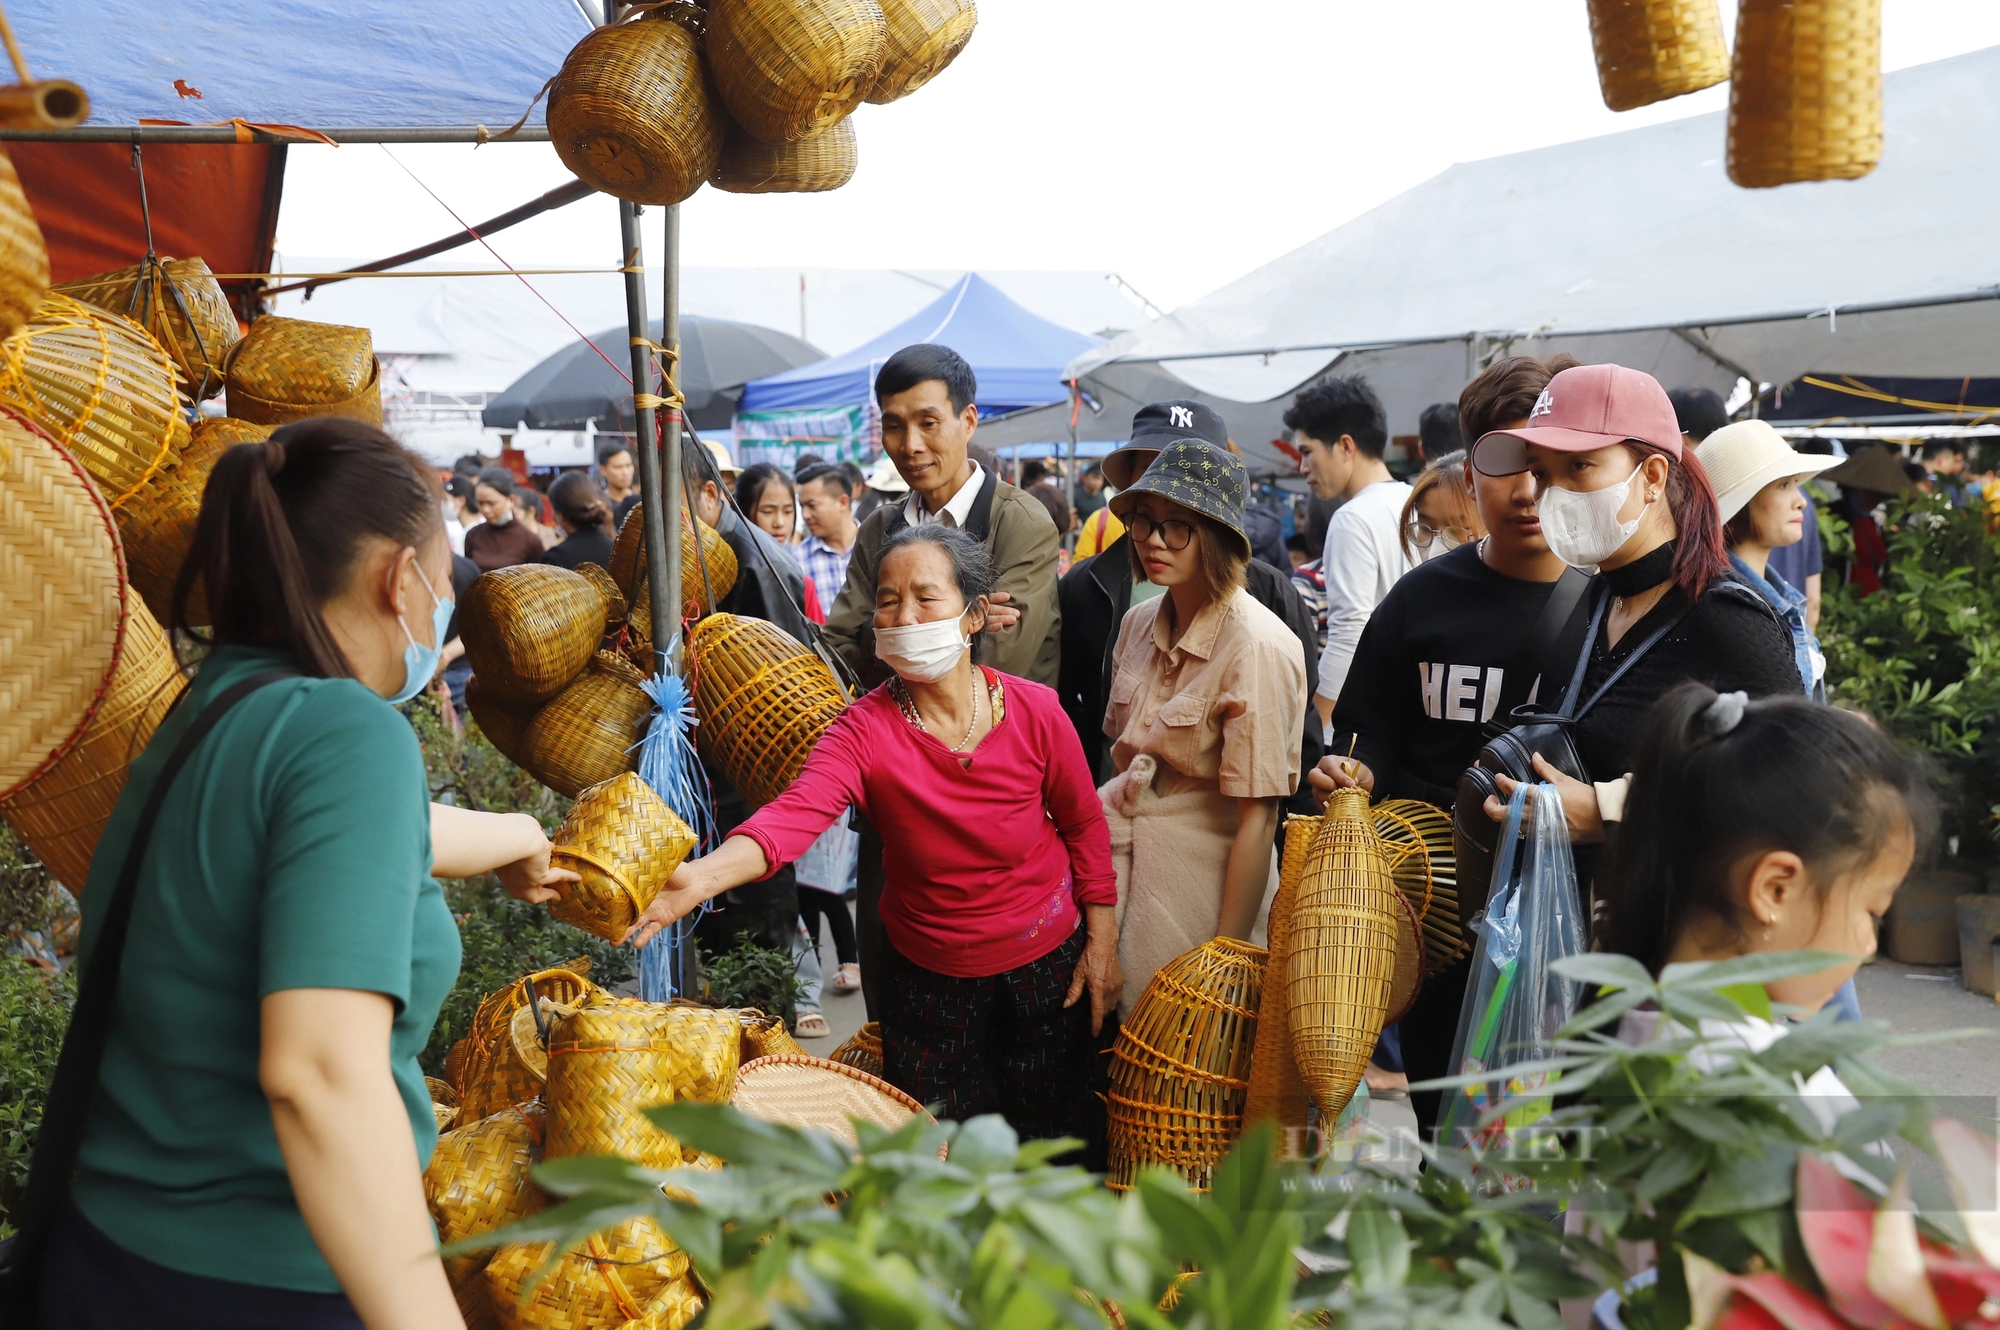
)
(1222, 704)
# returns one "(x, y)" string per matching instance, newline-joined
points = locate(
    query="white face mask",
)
(1582, 527)
(922, 651)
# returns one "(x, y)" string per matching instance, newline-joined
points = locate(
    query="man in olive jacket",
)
(925, 393)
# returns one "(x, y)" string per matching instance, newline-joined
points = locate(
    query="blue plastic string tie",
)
(669, 764)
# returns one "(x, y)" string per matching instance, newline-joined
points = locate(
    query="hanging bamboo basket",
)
(624, 842)
(923, 37)
(24, 258)
(790, 69)
(62, 814)
(1277, 1091)
(505, 724)
(608, 591)
(1428, 879)
(590, 731)
(1805, 99)
(293, 369)
(628, 569)
(478, 1180)
(1181, 1065)
(616, 1278)
(630, 112)
(158, 522)
(100, 386)
(617, 1057)
(181, 304)
(1650, 50)
(530, 629)
(764, 699)
(812, 166)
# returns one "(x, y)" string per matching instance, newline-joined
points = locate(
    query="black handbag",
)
(75, 1082)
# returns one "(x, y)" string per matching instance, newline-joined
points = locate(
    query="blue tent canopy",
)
(1017, 356)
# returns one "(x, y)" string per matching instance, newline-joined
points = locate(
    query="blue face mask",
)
(421, 662)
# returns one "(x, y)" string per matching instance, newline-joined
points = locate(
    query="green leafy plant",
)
(34, 1014)
(750, 975)
(29, 902)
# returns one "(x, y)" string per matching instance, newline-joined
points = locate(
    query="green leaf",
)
(1603, 969)
(1673, 1168)
(984, 1145)
(1717, 1126)
(1760, 967)
(1377, 1244)
(1751, 1182)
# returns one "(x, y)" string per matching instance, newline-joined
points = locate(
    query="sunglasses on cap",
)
(1500, 455)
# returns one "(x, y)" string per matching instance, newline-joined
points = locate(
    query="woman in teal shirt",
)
(255, 1152)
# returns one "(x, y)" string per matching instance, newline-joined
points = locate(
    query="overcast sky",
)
(1180, 144)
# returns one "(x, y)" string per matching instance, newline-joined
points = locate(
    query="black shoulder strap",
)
(1544, 653)
(75, 1082)
(979, 518)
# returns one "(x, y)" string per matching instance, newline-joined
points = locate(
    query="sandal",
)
(848, 980)
(811, 1025)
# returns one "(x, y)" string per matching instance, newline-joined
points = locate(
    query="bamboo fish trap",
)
(815, 1094)
(1180, 1068)
(158, 523)
(24, 258)
(1805, 99)
(62, 814)
(624, 842)
(294, 369)
(614, 1279)
(628, 569)
(864, 1051)
(790, 69)
(491, 1073)
(766, 1036)
(478, 1180)
(1343, 940)
(764, 700)
(181, 304)
(1650, 50)
(750, 166)
(530, 629)
(616, 1057)
(100, 386)
(1428, 880)
(590, 731)
(1276, 1090)
(923, 37)
(630, 112)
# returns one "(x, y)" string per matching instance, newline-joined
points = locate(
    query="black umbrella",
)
(575, 384)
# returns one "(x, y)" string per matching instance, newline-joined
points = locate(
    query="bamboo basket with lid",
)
(1650, 50)
(590, 731)
(157, 524)
(629, 571)
(624, 842)
(100, 386)
(749, 165)
(1276, 1090)
(294, 369)
(764, 699)
(616, 1057)
(181, 304)
(489, 1072)
(615, 1278)
(790, 69)
(530, 629)
(479, 1180)
(24, 258)
(923, 36)
(1180, 1067)
(630, 112)
(1805, 97)
(62, 812)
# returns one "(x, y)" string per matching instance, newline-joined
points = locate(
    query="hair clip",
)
(1724, 714)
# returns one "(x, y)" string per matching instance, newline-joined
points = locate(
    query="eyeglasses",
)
(1423, 535)
(1174, 535)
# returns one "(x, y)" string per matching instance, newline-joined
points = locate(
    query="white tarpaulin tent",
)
(1633, 248)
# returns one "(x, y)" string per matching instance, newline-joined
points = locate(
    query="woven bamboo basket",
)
(478, 1180)
(157, 524)
(590, 731)
(612, 1280)
(1181, 1065)
(629, 571)
(294, 369)
(616, 1057)
(813, 1093)
(504, 723)
(530, 1036)
(1431, 875)
(1407, 979)
(101, 387)
(790, 69)
(63, 812)
(811, 166)
(1276, 1090)
(923, 37)
(630, 113)
(864, 1051)
(608, 590)
(24, 258)
(672, 1308)
(181, 304)
(764, 700)
(62, 604)
(766, 1036)
(1805, 98)
(530, 629)
(444, 1103)
(490, 1073)
(1650, 50)
(1343, 952)
(624, 842)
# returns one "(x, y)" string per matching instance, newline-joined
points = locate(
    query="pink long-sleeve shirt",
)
(985, 865)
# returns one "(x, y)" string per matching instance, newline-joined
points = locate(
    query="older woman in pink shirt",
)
(1000, 895)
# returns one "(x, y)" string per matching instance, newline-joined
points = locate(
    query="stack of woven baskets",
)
(749, 95)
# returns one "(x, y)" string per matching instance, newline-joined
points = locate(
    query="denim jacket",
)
(1790, 604)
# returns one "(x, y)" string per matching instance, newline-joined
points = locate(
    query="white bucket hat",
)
(886, 478)
(1745, 457)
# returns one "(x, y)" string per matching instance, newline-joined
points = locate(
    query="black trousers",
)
(814, 905)
(869, 942)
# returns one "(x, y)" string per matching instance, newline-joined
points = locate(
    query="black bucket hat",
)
(1196, 475)
(1155, 426)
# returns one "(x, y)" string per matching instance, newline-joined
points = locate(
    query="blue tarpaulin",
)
(439, 64)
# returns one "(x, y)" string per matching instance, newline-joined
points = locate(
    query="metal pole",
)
(664, 598)
(1075, 390)
(682, 956)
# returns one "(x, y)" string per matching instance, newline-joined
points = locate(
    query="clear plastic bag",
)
(1513, 1004)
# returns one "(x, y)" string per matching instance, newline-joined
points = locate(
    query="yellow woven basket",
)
(63, 812)
(1407, 978)
(101, 387)
(444, 1103)
(1181, 1065)
(504, 723)
(1276, 1090)
(1343, 952)
(923, 37)
(590, 731)
(629, 571)
(672, 1308)
(1805, 99)
(608, 590)
(810, 166)
(864, 1051)
(766, 1036)
(624, 842)
(630, 113)
(614, 1279)
(478, 1180)
(764, 700)
(530, 629)
(1427, 876)
(24, 259)
(181, 304)
(294, 369)
(157, 524)
(1650, 50)
(62, 605)
(490, 1073)
(617, 1057)
(790, 69)
(815, 1094)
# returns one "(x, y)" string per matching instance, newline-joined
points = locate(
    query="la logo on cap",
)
(1544, 405)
